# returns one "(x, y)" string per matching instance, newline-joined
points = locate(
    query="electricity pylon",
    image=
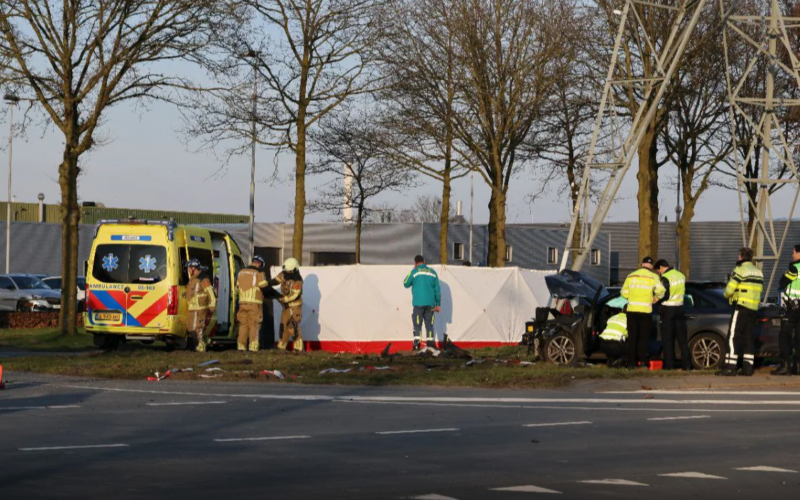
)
(615, 144)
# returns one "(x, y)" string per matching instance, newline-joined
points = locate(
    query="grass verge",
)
(44, 339)
(500, 368)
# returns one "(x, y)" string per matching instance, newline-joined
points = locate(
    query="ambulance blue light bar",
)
(171, 225)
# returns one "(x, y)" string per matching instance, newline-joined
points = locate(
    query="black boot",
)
(746, 371)
(782, 370)
(726, 372)
(416, 345)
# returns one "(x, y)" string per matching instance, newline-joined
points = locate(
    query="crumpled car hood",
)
(572, 284)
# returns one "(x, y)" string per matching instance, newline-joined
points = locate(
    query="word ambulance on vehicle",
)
(136, 282)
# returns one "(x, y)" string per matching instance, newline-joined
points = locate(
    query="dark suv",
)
(569, 333)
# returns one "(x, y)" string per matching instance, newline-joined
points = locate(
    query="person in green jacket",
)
(790, 323)
(744, 293)
(426, 297)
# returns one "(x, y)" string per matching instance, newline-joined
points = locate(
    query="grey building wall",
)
(36, 247)
(457, 233)
(380, 243)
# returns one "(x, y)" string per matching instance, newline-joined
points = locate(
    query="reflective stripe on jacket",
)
(249, 284)
(677, 288)
(745, 286)
(291, 289)
(617, 328)
(424, 284)
(641, 287)
(200, 294)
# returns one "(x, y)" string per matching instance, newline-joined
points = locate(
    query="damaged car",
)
(566, 332)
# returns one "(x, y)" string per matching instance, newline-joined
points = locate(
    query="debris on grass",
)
(157, 377)
(385, 351)
(210, 362)
(335, 370)
(475, 362)
(380, 368)
(214, 370)
(274, 373)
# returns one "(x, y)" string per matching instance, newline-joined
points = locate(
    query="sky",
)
(147, 164)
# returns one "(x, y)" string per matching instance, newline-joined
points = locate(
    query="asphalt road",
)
(78, 438)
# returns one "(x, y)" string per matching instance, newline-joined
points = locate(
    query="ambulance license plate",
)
(108, 316)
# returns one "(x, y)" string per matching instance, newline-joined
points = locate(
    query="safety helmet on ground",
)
(260, 260)
(290, 264)
(193, 263)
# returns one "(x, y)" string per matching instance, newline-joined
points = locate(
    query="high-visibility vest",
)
(640, 288)
(617, 328)
(792, 291)
(745, 286)
(677, 288)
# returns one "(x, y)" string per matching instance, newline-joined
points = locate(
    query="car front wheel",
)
(707, 351)
(561, 350)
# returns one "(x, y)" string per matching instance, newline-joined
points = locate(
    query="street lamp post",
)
(253, 55)
(12, 100)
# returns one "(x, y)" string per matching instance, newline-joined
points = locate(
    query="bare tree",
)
(561, 137)
(696, 137)
(81, 57)
(418, 56)
(310, 55)
(427, 208)
(348, 147)
(505, 53)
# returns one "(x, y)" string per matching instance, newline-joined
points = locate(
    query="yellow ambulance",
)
(136, 282)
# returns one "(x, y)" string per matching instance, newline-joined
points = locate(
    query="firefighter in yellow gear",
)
(642, 288)
(249, 283)
(291, 286)
(744, 293)
(202, 302)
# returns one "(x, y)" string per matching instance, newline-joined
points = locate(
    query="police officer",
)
(249, 283)
(673, 317)
(642, 288)
(426, 298)
(613, 340)
(744, 293)
(790, 325)
(201, 301)
(291, 284)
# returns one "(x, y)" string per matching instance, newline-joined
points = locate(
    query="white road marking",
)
(418, 431)
(692, 475)
(189, 403)
(556, 424)
(51, 448)
(680, 418)
(420, 399)
(764, 468)
(706, 392)
(57, 407)
(527, 489)
(433, 496)
(267, 438)
(615, 482)
(587, 408)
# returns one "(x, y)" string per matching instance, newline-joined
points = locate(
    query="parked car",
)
(567, 338)
(24, 292)
(54, 282)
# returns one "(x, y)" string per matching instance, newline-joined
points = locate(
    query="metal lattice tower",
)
(615, 144)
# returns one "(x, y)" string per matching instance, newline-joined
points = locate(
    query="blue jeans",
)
(423, 314)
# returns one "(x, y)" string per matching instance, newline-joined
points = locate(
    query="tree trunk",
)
(574, 192)
(70, 217)
(444, 216)
(359, 218)
(648, 195)
(684, 238)
(299, 188)
(497, 227)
